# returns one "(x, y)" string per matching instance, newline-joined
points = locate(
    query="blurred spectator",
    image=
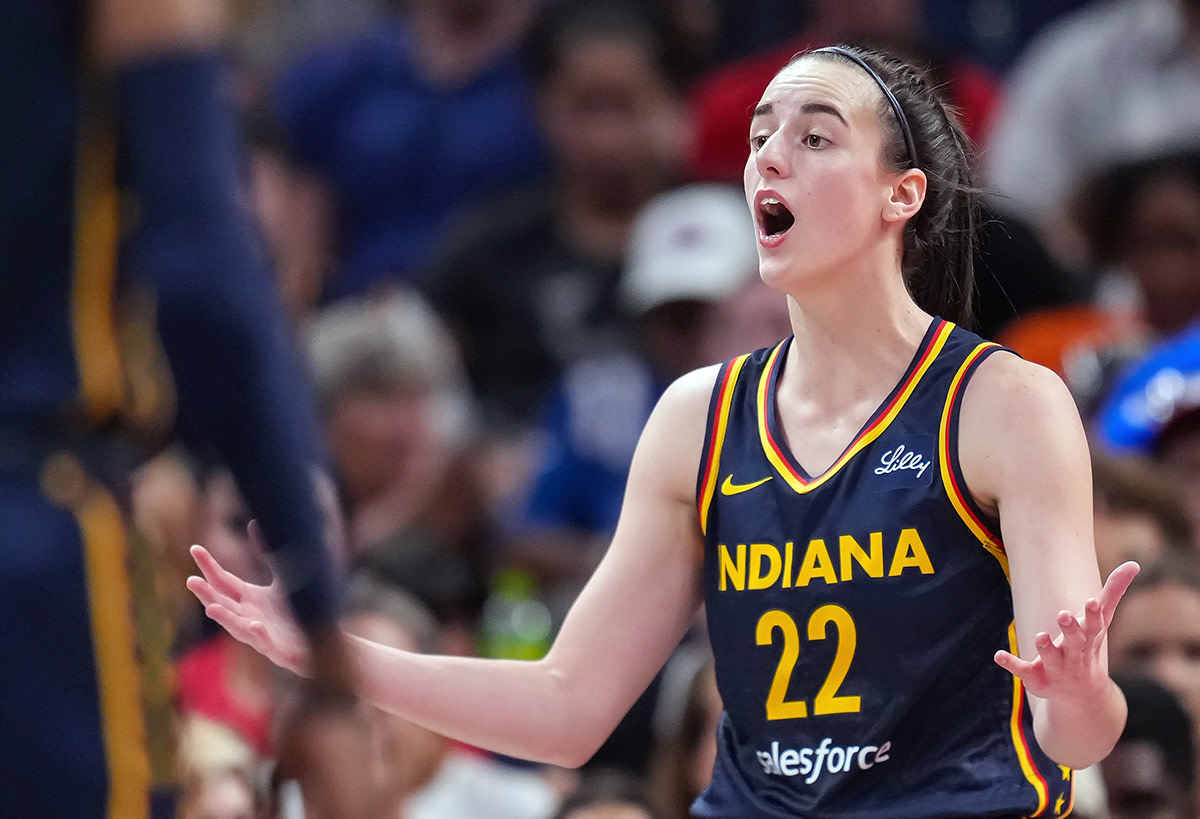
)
(1151, 772)
(1111, 81)
(1154, 409)
(294, 214)
(689, 711)
(428, 112)
(724, 99)
(995, 32)
(1015, 275)
(1140, 513)
(751, 317)
(745, 27)
(451, 585)
(1091, 800)
(1157, 633)
(608, 794)
(1141, 224)
(1085, 344)
(532, 282)
(268, 33)
(426, 775)
(397, 418)
(690, 249)
(219, 773)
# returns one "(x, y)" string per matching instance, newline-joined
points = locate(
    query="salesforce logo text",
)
(812, 762)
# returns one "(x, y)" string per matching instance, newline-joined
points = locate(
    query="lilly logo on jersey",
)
(900, 458)
(826, 757)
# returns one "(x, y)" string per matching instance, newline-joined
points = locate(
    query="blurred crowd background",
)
(501, 227)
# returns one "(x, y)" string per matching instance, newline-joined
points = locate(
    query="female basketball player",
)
(836, 502)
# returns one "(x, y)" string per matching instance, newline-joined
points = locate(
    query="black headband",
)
(887, 92)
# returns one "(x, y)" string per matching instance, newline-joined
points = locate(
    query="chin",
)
(779, 270)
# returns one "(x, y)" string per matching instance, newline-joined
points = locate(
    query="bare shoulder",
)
(1006, 383)
(1018, 420)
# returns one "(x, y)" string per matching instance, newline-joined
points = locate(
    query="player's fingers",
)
(1015, 665)
(238, 627)
(1115, 588)
(1093, 621)
(1049, 654)
(1074, 639)
(203, 591)
(223, 581)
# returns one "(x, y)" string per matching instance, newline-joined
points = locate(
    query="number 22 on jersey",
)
(827, 700)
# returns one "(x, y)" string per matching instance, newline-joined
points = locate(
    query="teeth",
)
(770, 200)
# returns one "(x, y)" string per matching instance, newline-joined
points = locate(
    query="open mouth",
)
(774, 217)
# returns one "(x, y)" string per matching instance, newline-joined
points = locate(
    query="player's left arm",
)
(1025, 456)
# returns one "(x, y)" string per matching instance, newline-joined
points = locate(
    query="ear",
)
(907, 196)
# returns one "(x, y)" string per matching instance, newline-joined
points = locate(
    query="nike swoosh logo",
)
(731, 488)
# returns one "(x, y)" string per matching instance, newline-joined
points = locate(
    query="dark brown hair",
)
(939, 241)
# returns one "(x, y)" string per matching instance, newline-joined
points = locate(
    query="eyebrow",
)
(767, 108)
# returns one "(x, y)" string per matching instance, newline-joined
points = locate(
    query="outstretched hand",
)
(256, 615)
(324, 741)
(1072, 661)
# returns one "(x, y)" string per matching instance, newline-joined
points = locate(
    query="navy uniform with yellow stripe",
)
(84, 689)
(854, 614)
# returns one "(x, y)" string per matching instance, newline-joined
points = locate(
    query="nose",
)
(771, 159)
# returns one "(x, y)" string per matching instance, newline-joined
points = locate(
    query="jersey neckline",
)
(781, 457)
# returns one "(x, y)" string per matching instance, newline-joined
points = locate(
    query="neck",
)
(852, 339)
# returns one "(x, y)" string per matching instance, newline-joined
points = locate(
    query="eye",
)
(815, 141)
(758, 140)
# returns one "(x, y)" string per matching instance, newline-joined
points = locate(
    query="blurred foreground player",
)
(113, 129)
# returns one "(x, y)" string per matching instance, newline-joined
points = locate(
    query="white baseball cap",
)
(694, 243)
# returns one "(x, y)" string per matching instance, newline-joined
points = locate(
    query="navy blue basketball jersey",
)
(854, 614)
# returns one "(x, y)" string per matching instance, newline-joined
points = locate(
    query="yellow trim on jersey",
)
(870, 434)
(953, 491)
(114, 645)
(93, 279)
(720, 424)
(1020, 743)
(1068, 776)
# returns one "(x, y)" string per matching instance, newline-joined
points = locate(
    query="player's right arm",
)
(620, 631)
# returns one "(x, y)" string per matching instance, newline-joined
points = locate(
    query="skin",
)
(858, 328)
(1162, 248)
(1140, 786)
(1122, 536)
(614, 126)
(1159, 635)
